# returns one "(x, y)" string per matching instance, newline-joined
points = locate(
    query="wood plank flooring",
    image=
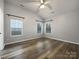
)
(41, 48)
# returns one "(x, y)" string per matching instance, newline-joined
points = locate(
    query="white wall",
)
(1, 25)
(29, 31)
(65, 27)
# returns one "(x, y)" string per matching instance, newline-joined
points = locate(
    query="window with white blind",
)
(16, 27)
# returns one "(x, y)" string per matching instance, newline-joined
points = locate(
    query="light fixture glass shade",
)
(42, 6)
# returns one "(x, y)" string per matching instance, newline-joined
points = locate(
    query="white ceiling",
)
(59, 6)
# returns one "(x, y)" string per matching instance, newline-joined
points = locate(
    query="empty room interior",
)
(39, 29)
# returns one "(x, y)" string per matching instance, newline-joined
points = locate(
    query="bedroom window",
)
(38, 28)
(16, 27)
(48, 28)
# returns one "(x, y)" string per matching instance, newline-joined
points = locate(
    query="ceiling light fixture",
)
(42, 6)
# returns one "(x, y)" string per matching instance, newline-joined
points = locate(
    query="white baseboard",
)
(21, 40)
(63, 40)
(40, 37)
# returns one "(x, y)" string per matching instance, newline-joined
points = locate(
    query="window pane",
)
(48, 28)
(38, 28)
(16, 31)
(16, 27)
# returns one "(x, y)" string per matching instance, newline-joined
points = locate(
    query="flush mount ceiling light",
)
(42, 6)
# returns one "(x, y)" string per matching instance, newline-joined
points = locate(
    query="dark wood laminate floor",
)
(41, 48)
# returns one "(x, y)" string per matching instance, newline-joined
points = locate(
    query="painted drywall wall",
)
(65, 27)
(1, 25)
(29, 23)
